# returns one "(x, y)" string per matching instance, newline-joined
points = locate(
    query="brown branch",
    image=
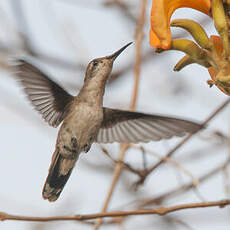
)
(116, 176)
(124, 8)
(171, 161)
(157, 211)
(137, 67)
(158, 200)
(142, 172)
(124, 164)
(185, 140)
(144, 160)
(183, 188)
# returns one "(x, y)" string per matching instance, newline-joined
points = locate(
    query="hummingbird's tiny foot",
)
(74, 142)
(86, 148)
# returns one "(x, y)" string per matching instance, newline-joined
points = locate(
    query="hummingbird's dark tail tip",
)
(54, 184)
(51, 194)
(59, 174)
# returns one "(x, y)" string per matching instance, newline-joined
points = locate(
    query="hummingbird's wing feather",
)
(132, 127)
(47, 97)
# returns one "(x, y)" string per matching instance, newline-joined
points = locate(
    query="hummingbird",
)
(85, 120)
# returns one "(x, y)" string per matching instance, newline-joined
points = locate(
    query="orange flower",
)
(160, 35)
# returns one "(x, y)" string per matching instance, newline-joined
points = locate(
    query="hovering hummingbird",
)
(85, 120)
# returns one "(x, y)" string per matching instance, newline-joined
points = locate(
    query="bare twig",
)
(116, 175)
(157, 211)
(123, 7)
(125, 165)
(184, 188)
(118, 168)
(185, 140)
(144, 158)
(141, 172)
(173, 162)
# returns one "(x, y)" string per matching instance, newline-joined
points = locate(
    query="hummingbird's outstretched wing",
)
(47, 97)
(132, 127)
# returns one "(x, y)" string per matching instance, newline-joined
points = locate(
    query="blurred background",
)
(61, 37)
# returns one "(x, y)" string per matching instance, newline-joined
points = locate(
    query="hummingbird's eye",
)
(95, 62)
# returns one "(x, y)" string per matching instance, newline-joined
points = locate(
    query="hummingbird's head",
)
(100, 68)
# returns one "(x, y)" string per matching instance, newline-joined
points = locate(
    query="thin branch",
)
(123, 7)
(158, 200)
(157, 211)
(141, 173)
(116, 176)
(144, 159)
(179, 190)
(173, 162)
(137, 67)
(185, 140)
(125, 165)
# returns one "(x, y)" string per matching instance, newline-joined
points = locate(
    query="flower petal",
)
(218, 46)
(160, 35)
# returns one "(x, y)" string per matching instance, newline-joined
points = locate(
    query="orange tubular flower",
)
(160, 35)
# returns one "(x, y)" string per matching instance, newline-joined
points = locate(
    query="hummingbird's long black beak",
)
(117, 53)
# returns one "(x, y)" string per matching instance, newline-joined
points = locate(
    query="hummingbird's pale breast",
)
(83, 123)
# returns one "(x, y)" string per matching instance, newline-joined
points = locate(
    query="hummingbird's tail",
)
(59, 173)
